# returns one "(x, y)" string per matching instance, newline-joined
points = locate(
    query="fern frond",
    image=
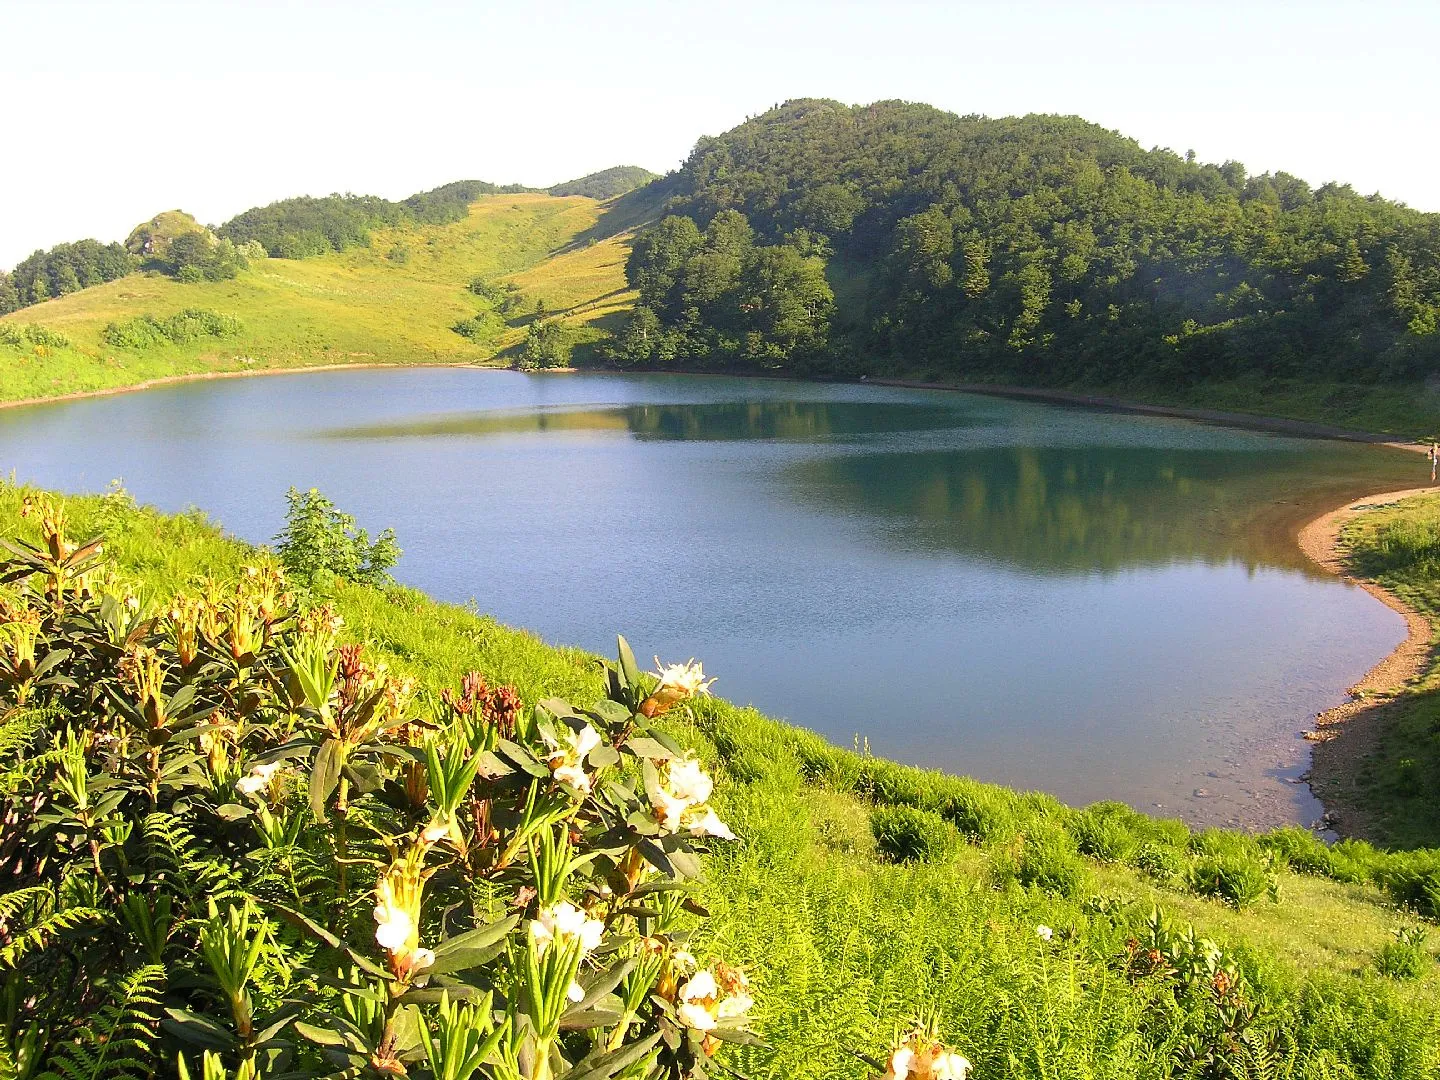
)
(36, 937)
(117, 1042)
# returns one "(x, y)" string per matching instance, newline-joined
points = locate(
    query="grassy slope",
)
(365, 305)
(844, 944)
(1399, 546)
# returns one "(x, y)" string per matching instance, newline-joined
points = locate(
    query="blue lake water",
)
(1090, 603)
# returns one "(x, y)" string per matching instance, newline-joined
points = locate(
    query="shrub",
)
(11, 334)
(319, 542)
(35, 334)
(1103, 831)
(1405, 957)
(1239, 878)
(1164, 863)
(239, 843)
(190, 324)
(1048, 860)
(905, 834)
(483, 327)
(1299, 849)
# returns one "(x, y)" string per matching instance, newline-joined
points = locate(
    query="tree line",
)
(1038, 249)
(302, 227)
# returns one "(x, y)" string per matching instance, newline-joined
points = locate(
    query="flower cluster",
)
(708, 997)
(567, 759)
(678, 682)
(681, 800)
(923, 1057)
(398, 896)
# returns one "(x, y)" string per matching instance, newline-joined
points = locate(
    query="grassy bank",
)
(1398, 782)
(393, 302)
(864, 893)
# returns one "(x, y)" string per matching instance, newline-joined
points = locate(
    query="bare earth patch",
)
(1345, 735)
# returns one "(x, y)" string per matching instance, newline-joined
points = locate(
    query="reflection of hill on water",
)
(1078, 509)
(702, 422)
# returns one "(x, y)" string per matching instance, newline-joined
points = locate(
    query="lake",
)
(1095, 604)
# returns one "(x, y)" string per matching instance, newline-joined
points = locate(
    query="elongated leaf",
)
(607, 1065)
(650, 749)
(325, 777)
(602, 985)
(333, 1031)
(522, 758)
(308, 924)
(198, 1030)
(590, 1019)
(474, 947)
(53, 657)
(628, 668)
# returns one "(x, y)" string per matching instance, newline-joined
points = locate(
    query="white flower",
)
(900, 1063)
(711, 825)
(421, 960)
(695, 1016)
(1044, 932)
(950, 1067)
(566, 921)
(576, 992)
(567, 759)
(686, 780)
(257, 779)
(700, 985)
(735, 1005)
(573, 776)
(670, 810)
(394, 926)
(687, 679)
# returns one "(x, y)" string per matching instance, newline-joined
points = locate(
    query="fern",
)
(116, 1044)
(39, 935)
(176, 858)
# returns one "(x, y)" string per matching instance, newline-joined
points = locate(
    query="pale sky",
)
(116, 110)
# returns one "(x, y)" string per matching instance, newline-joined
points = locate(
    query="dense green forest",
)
(1040, 249)
(605, 184)
(65, 268)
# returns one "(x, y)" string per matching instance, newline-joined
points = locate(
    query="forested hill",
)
(1039, 249)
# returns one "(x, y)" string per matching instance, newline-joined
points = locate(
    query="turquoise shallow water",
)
(1094, 604)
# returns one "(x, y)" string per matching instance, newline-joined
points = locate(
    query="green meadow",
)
(393, 302)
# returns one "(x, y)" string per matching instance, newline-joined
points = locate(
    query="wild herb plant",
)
(236, 847)
(319, 542)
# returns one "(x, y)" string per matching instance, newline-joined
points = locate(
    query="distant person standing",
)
(1434, 459)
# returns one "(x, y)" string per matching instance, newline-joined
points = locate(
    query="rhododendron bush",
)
(235, 845)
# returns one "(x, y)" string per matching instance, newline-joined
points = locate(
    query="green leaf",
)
(325, 777)
(474, 947)
(53, 657)
(612, 713)
(199, 1030)
(650, 749)
(364, 777)
(231, 812)
(308, 924)
(607, 1065)
(333, 1031)
(603, 756)
(522, 758)
(628, 668)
